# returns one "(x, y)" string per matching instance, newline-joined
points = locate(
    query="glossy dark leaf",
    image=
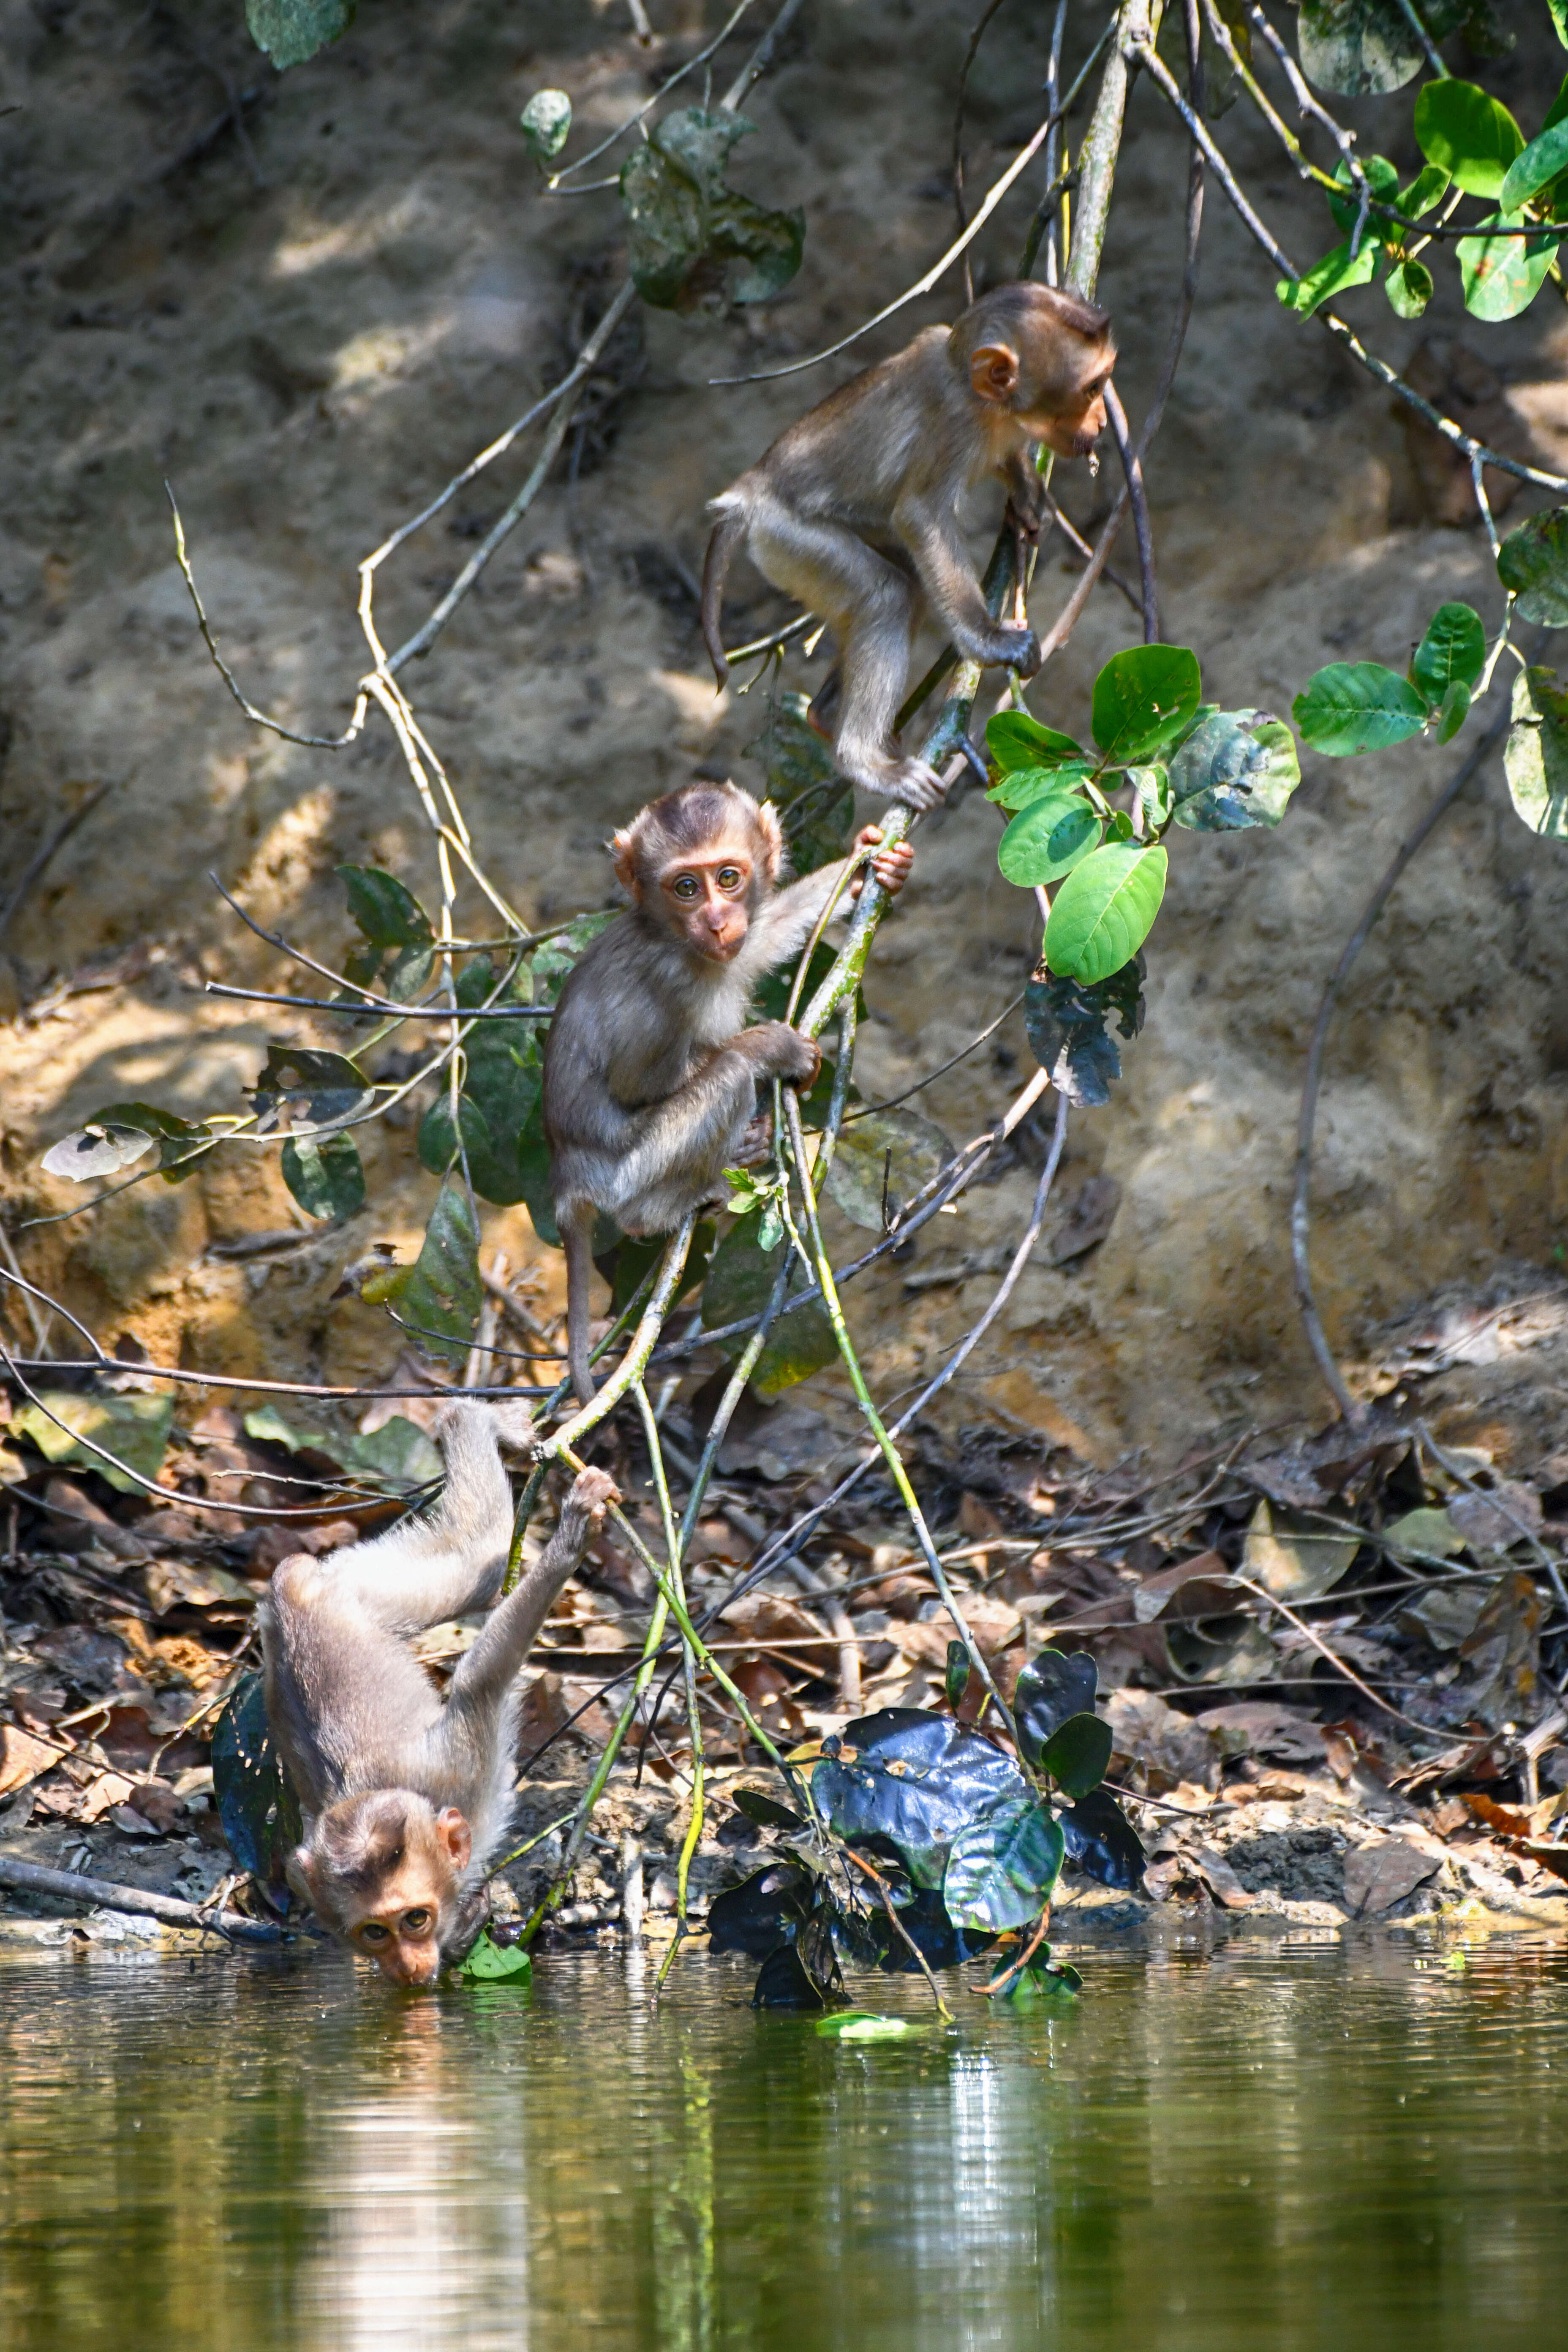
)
(764, 1911)
(1039, 1980)
(1065, 1023)
(1142, 698)
(385, 908)
(1101, 1842)
(783, 1981)
(1003, 1865)
(767, 1812)
(304, 1091)
(258, 1810)
(440, 1301)
(686, 228)
(939, 1942)
(916, 1778)
(1077, 1753)
(326, 1177)
(1054, 1685)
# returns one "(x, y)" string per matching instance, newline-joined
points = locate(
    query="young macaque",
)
(650, 1072)
(405, 1795)
(855, 509)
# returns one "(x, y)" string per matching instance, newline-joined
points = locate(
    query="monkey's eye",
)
(729, 878)
(416, 1921)
(373, 1932)
(685, 887)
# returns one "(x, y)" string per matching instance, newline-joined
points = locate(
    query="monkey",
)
(404, 1795)
(650, 1073)
(854, 510)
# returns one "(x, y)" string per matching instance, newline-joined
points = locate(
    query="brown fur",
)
(855, 509)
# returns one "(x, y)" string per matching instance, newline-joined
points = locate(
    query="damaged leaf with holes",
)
(883, 1159)
(123, 1133)
(693, 241)
(1065, 1023)
(255, 1803)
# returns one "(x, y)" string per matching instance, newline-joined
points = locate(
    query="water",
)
(1267, 2149)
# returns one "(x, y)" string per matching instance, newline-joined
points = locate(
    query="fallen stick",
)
(31, 1878)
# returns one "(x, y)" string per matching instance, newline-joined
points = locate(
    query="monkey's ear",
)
(993, 372)
(623, 855)
(772, 832)
(452, 1829)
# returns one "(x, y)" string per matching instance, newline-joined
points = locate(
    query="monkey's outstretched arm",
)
(929, 529)
(485, 1671)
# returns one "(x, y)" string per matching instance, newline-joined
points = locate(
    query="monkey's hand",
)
(1026, 504)
(781, 1052)
(583, 1512)
(1017, 649)
(755, 1145)
(890, 867)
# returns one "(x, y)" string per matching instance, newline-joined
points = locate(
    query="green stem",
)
(634, 1363)
(874, 1422)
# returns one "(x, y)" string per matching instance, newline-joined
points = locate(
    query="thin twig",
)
(1133, 467)
(37, 864)
(74, 1886)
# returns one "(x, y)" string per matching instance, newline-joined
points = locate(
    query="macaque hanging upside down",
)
(406, 1795)
(650, 1072)
(854, 511)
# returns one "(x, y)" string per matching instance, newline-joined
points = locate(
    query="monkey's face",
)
(1071, 421)
(706, 899)
(400, 1921)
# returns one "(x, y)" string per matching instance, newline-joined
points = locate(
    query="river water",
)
(1262, 2148)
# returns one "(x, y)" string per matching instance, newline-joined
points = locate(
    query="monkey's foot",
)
(583, 1513)
(910, 781)
(755, 1145)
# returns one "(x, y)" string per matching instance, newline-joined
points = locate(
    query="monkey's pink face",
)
(708, 900)
(400, 1929)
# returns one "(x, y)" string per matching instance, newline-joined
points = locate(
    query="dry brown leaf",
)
(22, 1758)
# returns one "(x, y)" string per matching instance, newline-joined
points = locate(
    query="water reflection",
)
(1256, 2150)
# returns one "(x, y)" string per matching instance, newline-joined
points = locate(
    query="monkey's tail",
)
(728, 532)
(577, 1237)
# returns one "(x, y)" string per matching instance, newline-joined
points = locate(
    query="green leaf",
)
(1002, 1867)
(885, 1154)
(388, 914)
(290, 31)
(766, 1810)
(119, 1135)
(1357, 706)
(441, 1299)
(955, 1680)
(1065, 1022)
(1142, 698)
(327, 1179)
(546, 123)
(1039, 1981)
(1382, 180)
(1076, 1754)
(1539, 166)
(685, 225)
(1453, 710)
(864, 2025)
(740, 1282)
(307, 1092)
(1469, 133)
(133, 1427)
(1455, 646)
(397, 1456)
(1016, 787)
(1536, 757)
(1560, 19)
(1104, 911)
(1048, 838)
(555, 959)
(1502, 276)
(1239, 769)
(1408, 286)
(1292, 1555)
(1357, 48)
(1429, 187)
(1015, 740)
(490, 1963)
(1156, 802)
(1331, 275)
(1533, 565)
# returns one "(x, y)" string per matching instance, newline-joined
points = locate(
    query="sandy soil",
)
(309, 331)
